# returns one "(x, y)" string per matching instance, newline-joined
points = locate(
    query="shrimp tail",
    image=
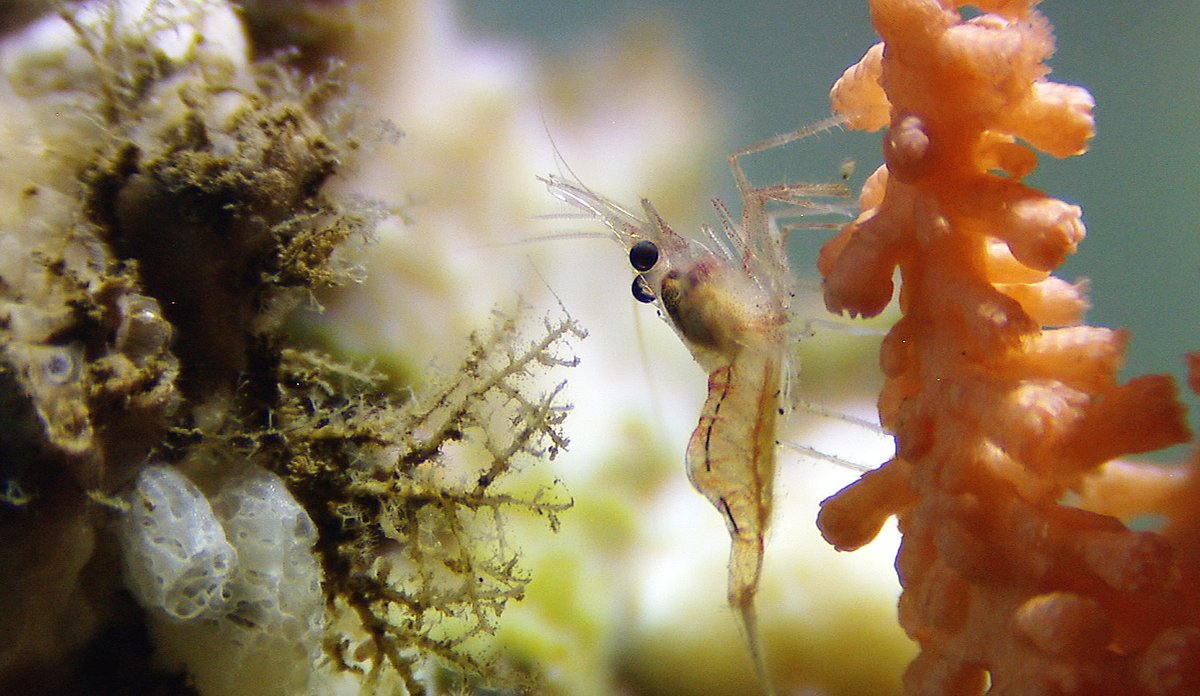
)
(739, 413)
(748, 616)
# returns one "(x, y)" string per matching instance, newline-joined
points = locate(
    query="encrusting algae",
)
(1001, 400)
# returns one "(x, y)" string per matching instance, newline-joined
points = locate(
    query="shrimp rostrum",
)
(728, 299)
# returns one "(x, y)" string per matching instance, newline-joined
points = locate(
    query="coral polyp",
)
(1002, 401)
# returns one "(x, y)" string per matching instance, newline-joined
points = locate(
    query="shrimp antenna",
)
(560, 162)
(553, 237)
(538, 272)
(571, 189)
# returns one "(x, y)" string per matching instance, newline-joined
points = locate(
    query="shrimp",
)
(728, 299)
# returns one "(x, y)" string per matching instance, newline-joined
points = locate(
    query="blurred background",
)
(647, 99)
(770, 64)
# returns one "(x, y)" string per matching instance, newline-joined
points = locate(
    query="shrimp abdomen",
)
(731, 461)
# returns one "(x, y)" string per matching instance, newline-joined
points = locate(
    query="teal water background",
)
(771, 64)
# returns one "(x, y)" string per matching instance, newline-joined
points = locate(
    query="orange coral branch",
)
(996, 415)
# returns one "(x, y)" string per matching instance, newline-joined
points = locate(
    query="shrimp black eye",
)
(643, 255)
(642, 292)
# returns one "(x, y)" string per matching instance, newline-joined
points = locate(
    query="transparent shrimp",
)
(728, 299)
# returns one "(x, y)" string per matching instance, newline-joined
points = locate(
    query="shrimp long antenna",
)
(600, 208)
(560, 163)
(552, 237)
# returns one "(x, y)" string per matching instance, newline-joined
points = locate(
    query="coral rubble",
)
(1001, 400)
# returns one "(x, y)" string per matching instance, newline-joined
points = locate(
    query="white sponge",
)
(278, 582)
(177, 558)
(229, 582)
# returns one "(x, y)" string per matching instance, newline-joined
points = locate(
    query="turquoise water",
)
(772, 64)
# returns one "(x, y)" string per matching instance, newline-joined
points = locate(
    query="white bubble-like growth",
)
(229, 582)
(177, 558)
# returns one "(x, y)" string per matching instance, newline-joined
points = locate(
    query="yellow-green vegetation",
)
(410, 500)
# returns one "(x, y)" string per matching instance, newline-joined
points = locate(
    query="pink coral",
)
(997, 416)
